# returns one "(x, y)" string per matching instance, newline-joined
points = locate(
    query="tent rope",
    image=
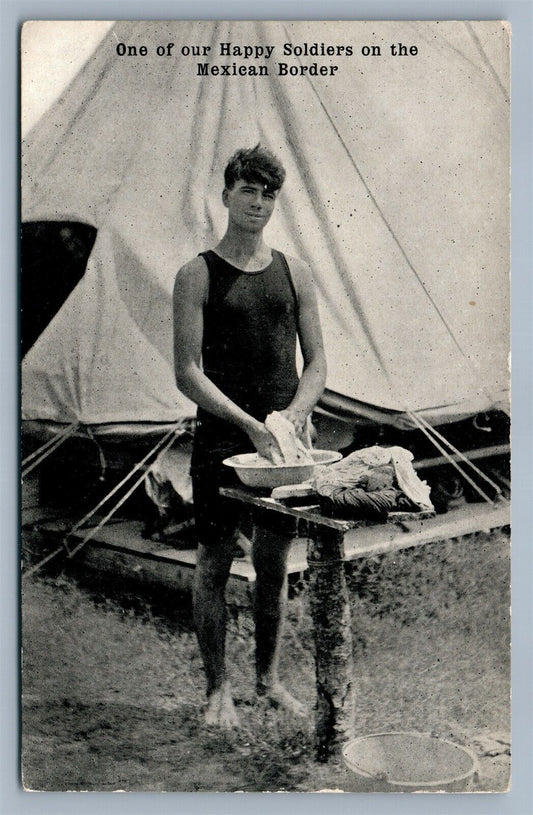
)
(452, 461)
(42, 563)
(461, 455)
(164, 443)
(47, 444)
(168, 437)
(38, 456)
(94, 530)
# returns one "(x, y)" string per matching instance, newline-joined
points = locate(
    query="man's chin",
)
(255, 225)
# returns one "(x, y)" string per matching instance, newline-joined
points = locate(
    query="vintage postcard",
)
(265, 406)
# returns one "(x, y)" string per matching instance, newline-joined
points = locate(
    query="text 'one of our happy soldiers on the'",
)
(257, 60)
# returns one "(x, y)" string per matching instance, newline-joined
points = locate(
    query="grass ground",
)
(113, 689)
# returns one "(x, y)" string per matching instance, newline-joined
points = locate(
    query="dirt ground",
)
(113, 689)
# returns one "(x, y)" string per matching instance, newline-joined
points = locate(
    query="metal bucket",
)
(409, 762)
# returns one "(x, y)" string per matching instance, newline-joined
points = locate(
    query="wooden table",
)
(330, 608)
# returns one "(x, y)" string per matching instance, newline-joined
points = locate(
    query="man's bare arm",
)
(313, 379)
(190, 294)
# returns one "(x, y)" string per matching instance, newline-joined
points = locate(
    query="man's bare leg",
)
(210, 577)
(269, 555)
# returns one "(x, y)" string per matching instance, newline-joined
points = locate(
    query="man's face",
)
(249, 204)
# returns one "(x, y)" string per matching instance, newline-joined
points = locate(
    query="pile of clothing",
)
(370, 483)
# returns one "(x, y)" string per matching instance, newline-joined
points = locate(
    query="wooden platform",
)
(120, 549)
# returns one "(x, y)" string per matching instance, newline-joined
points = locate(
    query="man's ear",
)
(225, 196)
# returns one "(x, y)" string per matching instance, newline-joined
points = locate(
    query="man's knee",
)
(213, 563)
(270, 563)
(272, 543)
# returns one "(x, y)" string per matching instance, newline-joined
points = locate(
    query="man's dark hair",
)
(255, 164)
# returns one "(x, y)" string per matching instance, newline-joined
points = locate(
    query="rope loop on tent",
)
(434, 436)
(162, 445)
(103, 463)
(39, 455)
(480, 427)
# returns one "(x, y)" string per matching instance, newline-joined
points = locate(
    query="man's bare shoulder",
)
(192, 276)
(301, 272)
(195, 266)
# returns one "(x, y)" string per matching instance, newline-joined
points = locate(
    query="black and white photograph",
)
(272, 259)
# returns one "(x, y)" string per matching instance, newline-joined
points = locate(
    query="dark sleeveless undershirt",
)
(250, 333)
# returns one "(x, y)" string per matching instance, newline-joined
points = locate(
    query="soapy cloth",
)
(292, 449)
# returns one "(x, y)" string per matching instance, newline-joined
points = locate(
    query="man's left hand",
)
(302, 424)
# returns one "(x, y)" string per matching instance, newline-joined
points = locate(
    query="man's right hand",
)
(264, 442)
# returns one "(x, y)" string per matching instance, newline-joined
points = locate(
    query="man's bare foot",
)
(278, 696)
(221, 710)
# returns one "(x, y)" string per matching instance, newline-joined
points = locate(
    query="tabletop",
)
(309, 510)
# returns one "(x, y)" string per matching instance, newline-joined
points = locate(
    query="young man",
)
(239, 310)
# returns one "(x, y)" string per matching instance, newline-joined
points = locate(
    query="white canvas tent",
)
(397, 195)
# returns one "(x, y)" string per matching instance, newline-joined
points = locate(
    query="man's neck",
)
(246, 250)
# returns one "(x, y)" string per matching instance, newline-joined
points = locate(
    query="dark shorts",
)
(216, 518)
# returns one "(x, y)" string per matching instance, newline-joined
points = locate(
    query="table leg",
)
(330, 610)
